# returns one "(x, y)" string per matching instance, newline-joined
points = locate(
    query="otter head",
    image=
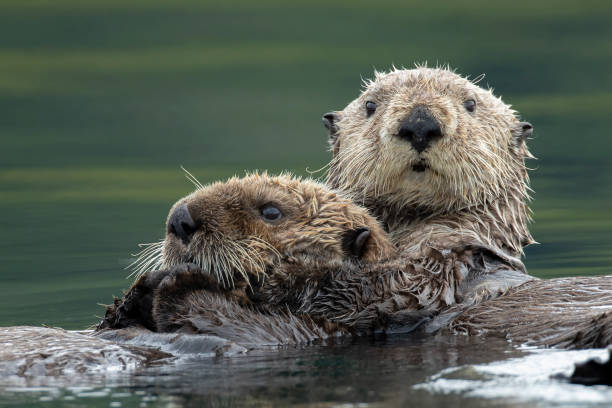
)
(244, 228)
(429, 140)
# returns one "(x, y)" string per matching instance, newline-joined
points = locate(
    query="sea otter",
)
(243, 252)
(441, 162)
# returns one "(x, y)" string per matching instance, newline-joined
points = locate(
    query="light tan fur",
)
(475, 185)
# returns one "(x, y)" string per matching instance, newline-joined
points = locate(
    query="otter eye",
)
(270, 213)
(370, 107)
(470, 105)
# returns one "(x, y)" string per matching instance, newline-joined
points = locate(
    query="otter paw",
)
(132, 310)
(185, 278)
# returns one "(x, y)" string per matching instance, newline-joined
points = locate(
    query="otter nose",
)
(182, 224)
(420, 128)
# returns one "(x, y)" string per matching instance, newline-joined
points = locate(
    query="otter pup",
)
(235, 250)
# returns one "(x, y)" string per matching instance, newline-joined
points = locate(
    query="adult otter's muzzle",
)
(420, 128)
(182, 224)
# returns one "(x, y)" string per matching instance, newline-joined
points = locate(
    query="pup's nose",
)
(420, 128)
(182, 224)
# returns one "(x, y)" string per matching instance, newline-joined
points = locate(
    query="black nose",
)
(420, 128)
(181, 224)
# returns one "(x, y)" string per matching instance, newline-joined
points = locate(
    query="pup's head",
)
(246, 227)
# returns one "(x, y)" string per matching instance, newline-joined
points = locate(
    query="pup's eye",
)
(370, 107)
(270, 213)
(470, 105)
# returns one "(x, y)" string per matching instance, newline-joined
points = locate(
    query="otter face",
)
(429, 139)
(246, 227)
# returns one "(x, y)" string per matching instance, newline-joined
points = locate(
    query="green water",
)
(101, 102)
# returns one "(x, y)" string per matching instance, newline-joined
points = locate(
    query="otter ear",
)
(522, 131)
(355, 240)
(330, 121)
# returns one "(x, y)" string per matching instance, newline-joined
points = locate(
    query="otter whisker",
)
(148, 257)
(145, 266)
(230, 267)
(220, 269)
(148, 247)
(152, 250)
(192, 178)
(238, 267)
(319, 170)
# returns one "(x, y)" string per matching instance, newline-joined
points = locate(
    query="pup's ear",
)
(355, 240)
(522, 131)
(330, 121)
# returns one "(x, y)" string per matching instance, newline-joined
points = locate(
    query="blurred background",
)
(101, 102)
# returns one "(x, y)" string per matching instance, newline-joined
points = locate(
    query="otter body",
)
(35, 352)
(572, 313)
(240, 258)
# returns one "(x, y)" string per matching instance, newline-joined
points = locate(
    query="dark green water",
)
(101, 102)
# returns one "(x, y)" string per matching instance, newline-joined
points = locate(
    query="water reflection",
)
(362, 370)
(387, 371)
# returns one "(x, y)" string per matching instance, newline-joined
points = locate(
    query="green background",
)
(102, 102)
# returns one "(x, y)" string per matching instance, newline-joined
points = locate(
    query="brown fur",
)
(234, 242)
(566, 313)
(187, 303)
(240, 262)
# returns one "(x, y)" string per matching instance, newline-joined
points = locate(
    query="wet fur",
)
(566, 313)
(474, 193)
(475, 188)
(224, 272)
(33, 353)
(385, 296)
(234, 244)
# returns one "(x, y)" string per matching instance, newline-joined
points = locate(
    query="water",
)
(531, 374)
(359, 371)
(391, 371)
(102, 101)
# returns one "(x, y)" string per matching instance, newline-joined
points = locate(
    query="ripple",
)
(537, 377)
